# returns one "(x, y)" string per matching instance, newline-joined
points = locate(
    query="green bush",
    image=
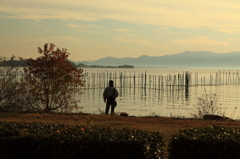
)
(209, 142)
(38, 140)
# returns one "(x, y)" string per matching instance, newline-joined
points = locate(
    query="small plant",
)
(153, 115)
(101, 111)
(208, 104)
(89, 120)
(233, 113)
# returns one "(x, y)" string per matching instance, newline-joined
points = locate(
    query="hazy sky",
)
(92, 29)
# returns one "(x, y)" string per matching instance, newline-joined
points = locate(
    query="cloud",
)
(183, 13)
(106, 47)
(120, 30)
(85, 28)
(200, 41)
(36, 39)
(50, 38)
(137, 41)
(73, 26)
(228, 29)
(72, 39)
(89, 31)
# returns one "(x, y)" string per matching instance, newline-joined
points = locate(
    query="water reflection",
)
(142, 102)
(187, 94)
(158, 98)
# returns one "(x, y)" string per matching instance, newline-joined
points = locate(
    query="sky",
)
(94, 29)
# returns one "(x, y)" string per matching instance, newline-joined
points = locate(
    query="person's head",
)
(111, 83)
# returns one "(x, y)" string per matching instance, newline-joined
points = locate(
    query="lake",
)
(161, 91)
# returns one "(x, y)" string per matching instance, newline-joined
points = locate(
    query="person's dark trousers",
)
(112, 104)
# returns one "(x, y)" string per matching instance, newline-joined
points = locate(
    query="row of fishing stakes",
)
(144, 80)
(140, 80)
(169, 82)
(220, 78)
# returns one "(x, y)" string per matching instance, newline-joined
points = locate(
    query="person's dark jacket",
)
(109, 91)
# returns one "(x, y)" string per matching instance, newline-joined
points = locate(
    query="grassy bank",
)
(168, 126)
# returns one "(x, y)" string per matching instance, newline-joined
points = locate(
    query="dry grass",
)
(168, 126)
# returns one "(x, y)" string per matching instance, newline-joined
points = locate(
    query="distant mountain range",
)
(187, 59)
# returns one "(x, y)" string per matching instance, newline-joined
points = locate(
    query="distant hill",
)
(187, 59)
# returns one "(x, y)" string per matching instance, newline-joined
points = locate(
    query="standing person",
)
(109, 95)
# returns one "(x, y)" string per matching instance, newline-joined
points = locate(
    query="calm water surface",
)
(138, 101)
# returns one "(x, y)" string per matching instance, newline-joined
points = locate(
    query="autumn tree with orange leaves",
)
(53, 81)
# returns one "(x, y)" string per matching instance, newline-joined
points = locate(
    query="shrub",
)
(39, 140)
(208, 104)
(209, 142)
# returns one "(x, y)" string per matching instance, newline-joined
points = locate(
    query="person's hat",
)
(110, 82)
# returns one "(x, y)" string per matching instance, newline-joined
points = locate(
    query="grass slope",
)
(168, 126)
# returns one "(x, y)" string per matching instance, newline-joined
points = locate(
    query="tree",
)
(53, 81)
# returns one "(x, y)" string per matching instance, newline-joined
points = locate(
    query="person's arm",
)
(105, 95)
(116, 93)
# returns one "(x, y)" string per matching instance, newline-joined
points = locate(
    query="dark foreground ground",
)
(168, 126)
